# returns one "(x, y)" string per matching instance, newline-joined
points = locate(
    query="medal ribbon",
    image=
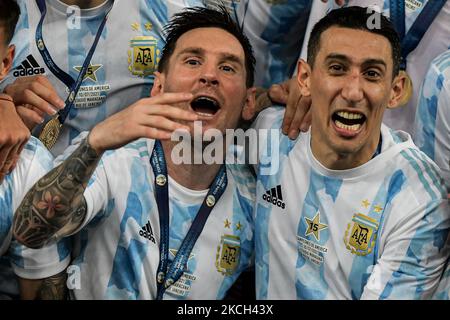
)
(168, 275)
(411, 40)
(73, 85)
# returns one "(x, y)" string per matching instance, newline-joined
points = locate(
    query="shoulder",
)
(270, 118)
(416, 169)
(438, 74)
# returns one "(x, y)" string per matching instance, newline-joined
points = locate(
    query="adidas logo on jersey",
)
(28, 67)
(147, 232)
(274, 197)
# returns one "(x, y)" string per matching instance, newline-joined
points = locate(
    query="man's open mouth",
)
(351, 121)
(205, 106)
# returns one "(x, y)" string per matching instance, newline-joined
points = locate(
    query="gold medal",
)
(50, 133)
(408, 89)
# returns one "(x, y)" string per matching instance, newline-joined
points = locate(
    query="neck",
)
(84, 4)
(192, 176)
(342, 161)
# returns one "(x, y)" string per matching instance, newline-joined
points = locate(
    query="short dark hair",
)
(9, 15)
(198, 17)
(355, 18)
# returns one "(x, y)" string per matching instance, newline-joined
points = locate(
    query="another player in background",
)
(432, 123)
(432, 130)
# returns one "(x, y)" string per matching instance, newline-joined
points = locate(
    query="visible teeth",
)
(204, 114)
(354, 127)
(349, 115)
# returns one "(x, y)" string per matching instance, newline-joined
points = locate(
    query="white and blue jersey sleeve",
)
(35, 161)
(432, 123)
(378, 231)
(117, 248)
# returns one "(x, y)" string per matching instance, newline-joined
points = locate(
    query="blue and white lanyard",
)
(411, 40)
(168, 275)
(73, 85)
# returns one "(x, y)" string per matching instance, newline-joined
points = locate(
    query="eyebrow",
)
(370, 61)
(225, 56)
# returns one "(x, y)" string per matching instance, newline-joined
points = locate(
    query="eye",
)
(227, 68)
(336, 68)
(372, 74)
(192, 62)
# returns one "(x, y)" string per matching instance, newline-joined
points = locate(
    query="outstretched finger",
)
(33, 97)
(174, 113)
(42, 86)
(162, 123)
(30, 117)
(169, 98)
(297, 124)
(291, 111)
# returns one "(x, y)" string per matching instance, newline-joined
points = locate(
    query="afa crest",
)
(228, 254)
(143, 55)
(361, 234)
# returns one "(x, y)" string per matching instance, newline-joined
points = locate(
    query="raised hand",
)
(35, 96)
(297, 116)
(153, 118)
(13, 136)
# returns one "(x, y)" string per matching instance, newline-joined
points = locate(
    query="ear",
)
(401, 91)
(249, 110)
(7, 61)
(158, 84)
(304, 77)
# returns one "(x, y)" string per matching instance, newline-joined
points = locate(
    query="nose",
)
(209, 75)
(352, 90)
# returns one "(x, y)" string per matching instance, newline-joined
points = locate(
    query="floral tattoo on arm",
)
(55, 206)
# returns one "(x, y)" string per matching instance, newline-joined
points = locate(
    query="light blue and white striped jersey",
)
(432, 130)
(34, 162)
(118, 246)
(435, 41)
(377, 231)
(275, 30)
(121, 69)
(432, 124)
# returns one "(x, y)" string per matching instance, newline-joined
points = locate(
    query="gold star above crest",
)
(227, 224)
(238, 226)
(148, 26)
(366, 203)
(314, 226)
(377, 208)
(90, 73)
(135, 26)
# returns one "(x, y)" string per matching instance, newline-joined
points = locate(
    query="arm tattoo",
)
(55, 206)
(53, 288)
